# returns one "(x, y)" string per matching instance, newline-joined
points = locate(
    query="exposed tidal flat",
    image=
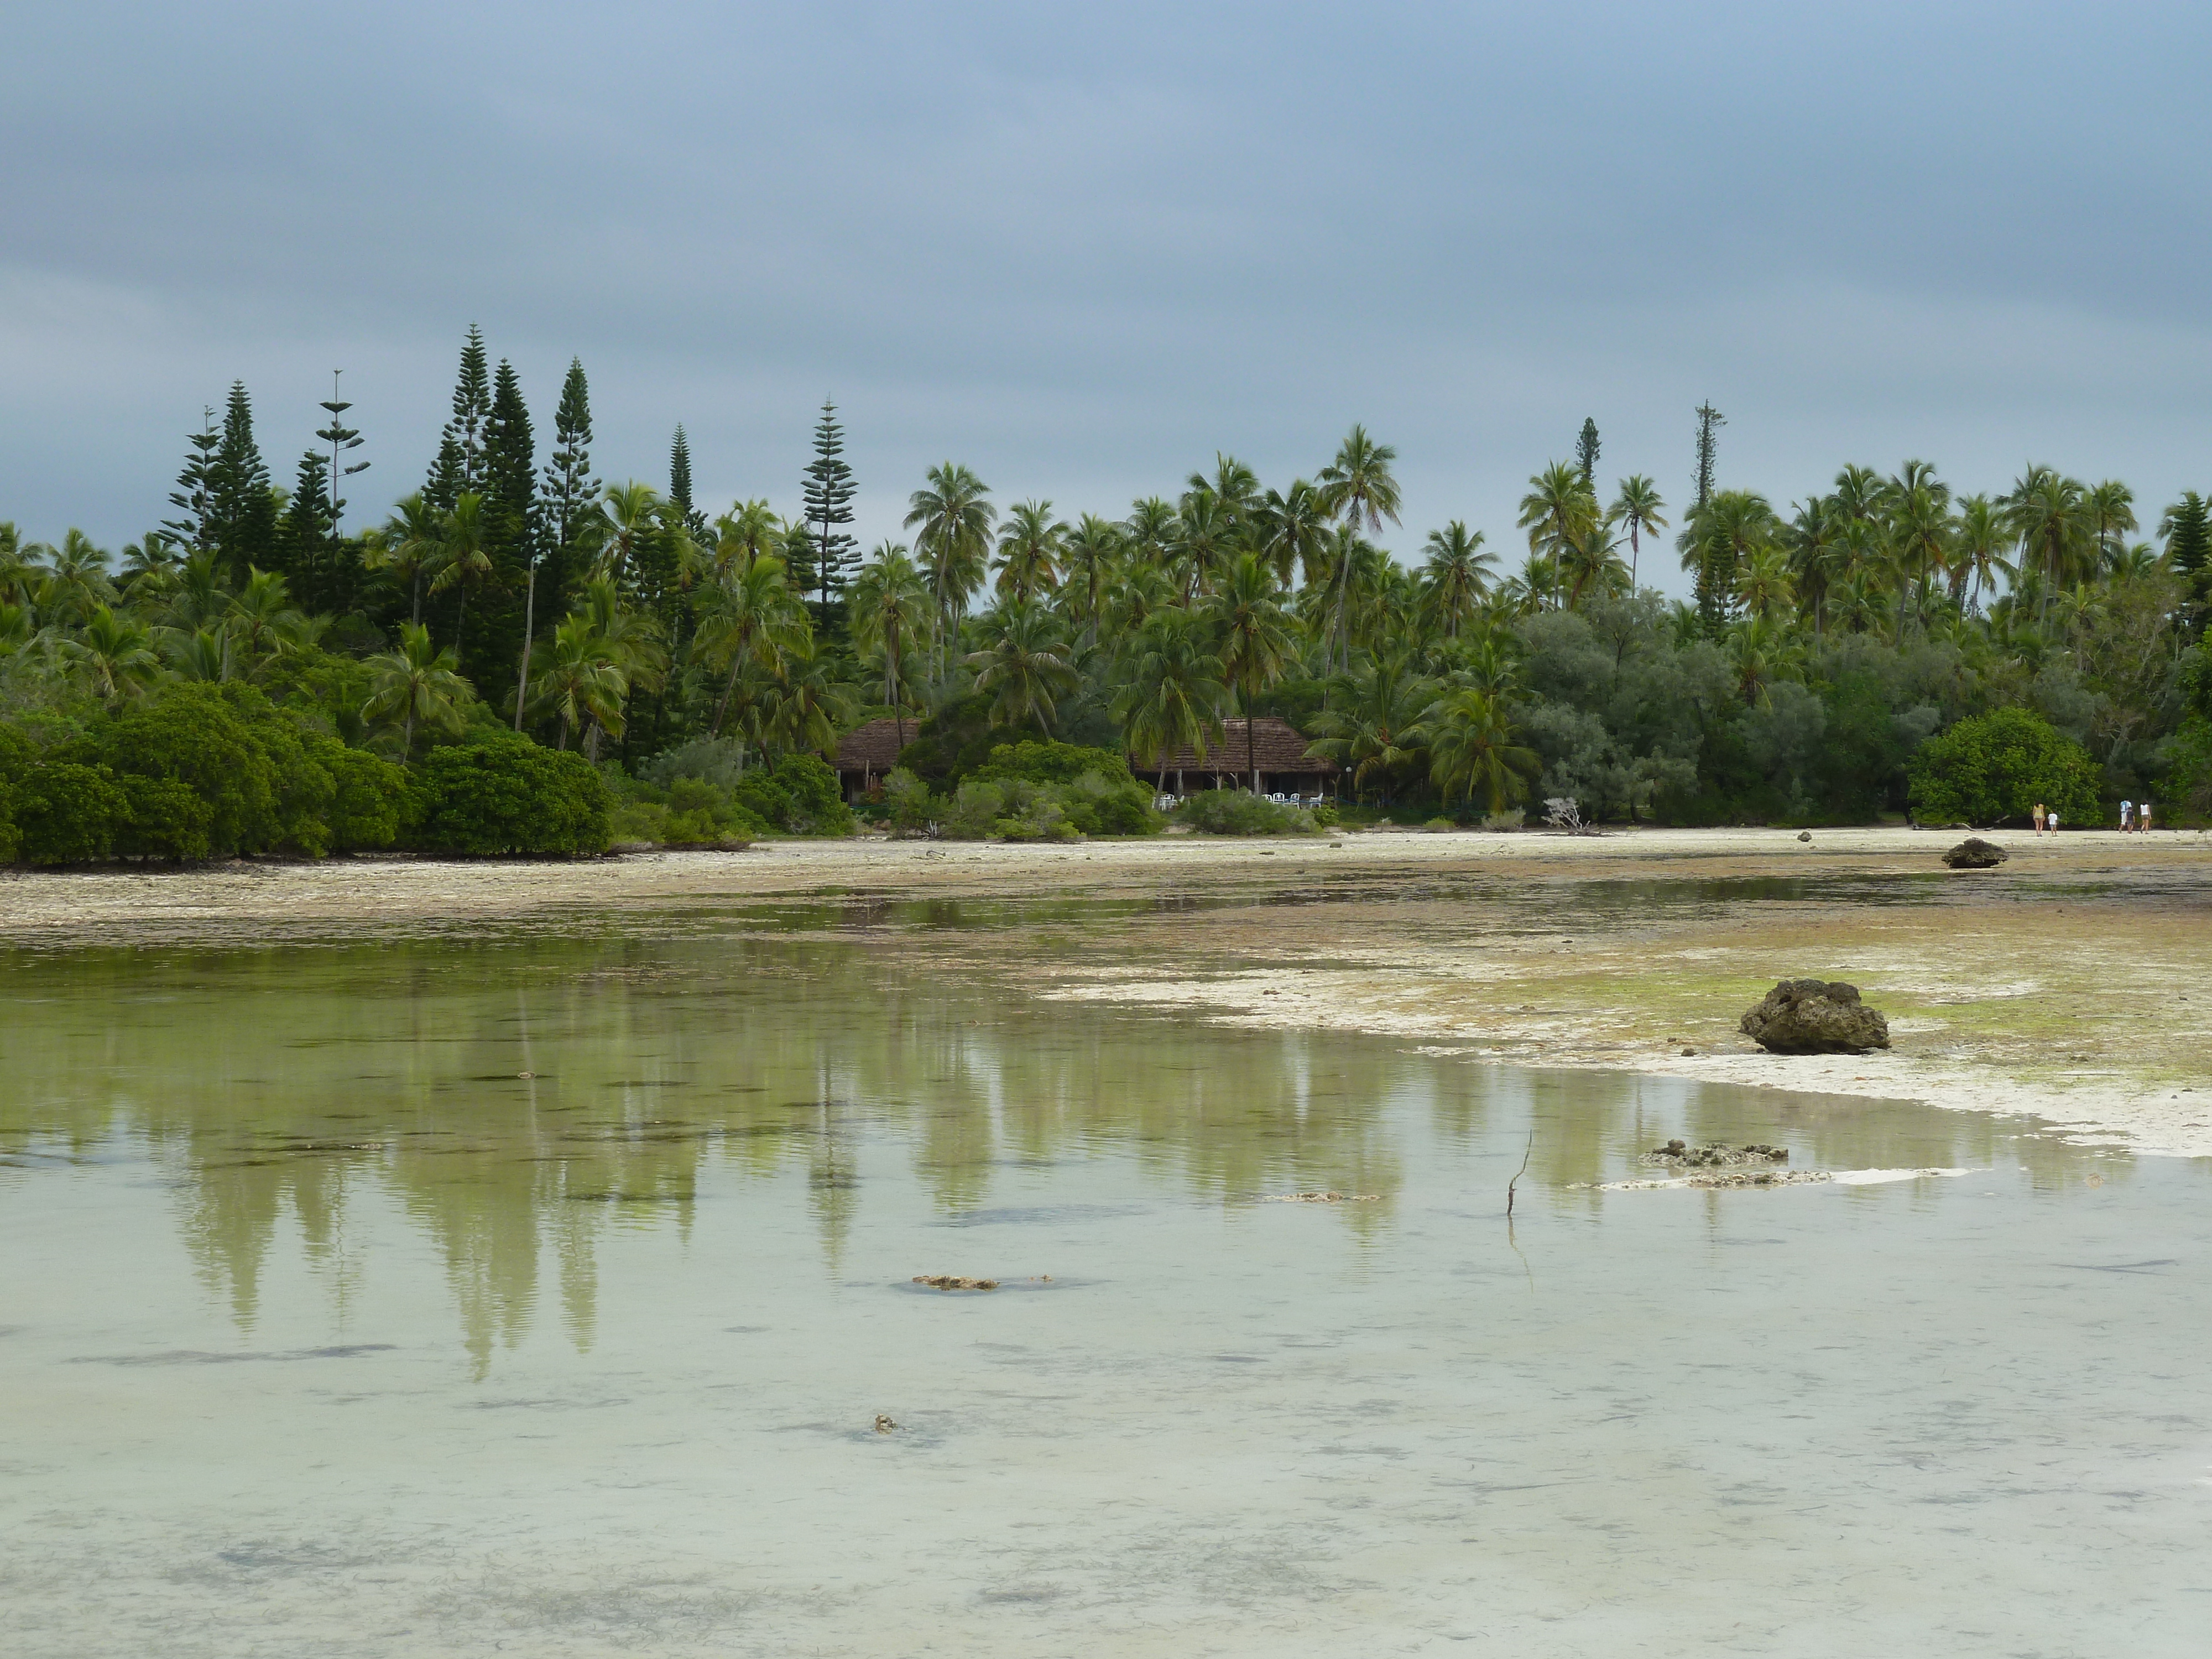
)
(417, 1258)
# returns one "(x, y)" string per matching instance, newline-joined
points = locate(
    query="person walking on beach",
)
(2142, 817)
(2053, 821)
(2039, 818)
(2127, 812)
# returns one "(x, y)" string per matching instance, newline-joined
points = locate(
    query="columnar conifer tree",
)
(460, 463)
(679, 485)
(828, 496)
(1586, 453)
(191, 497)
(504, 622)
(2189, 550)
(1711, 584)
(242, 512)
(304, 539)
(569, 490)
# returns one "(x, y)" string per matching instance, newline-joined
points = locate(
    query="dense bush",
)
(368, 803)
(65, 813)
(1028, 790)
(196, 771)
(1995, 768)
(1240, 813)
(799, 794)
(507, 795)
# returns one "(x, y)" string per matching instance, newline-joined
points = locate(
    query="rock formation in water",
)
(954, 1282)
(1681, 1155)
(1816, 1016)
(1975, 854)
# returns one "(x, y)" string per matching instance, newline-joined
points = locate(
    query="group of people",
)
(2132, 817)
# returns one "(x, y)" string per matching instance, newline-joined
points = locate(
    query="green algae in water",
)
(427, 1356)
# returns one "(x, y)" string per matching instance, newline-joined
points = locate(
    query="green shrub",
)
(17, 755)
(907, 800)
(1996, 767)
(971, 814)
(66, 813)
(1052, 762)
(506, 794)
(163, 818)
(191, 735)
(1240, 813)
(368, 796)
(799, 794)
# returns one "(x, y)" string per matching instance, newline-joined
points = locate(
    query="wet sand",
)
(2072, 985)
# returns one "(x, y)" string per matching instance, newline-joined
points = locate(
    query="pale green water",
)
(324, 1334)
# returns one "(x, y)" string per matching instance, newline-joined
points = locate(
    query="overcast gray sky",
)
(1083, 248)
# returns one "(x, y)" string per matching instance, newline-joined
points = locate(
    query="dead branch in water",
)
(1518, 1173)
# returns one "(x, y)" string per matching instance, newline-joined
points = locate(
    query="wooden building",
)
(869, 751)
(1273, 747)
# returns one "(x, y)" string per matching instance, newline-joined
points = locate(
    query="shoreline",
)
(2056, 987)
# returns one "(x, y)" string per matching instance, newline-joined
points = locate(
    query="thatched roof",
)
(1277, 746)
(873, 747)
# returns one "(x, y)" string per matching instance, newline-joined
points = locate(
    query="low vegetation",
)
(256, 675)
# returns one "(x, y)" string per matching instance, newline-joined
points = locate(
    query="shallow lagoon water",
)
(325, 1332)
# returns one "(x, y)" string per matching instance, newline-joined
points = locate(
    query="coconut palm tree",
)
(1470, 745)
(407, 544)
(806, 704)
(1090, 552)
(461, 560)
(1637, 510)
(149, 568)
(951, 519)
(1594, 564)
(262, 621)
(1290, 530)
(1172, 697)
(1206, 536)
(200, 654)
(1558, 512)
(1234, 484)
(1031, 543)
(416, 684)
(1763, 582)
(750, 620)
(1360, 489)
(1023, 664)
(110, 655)
(73, 582)
(2111, 508)
(630, 515)
(1252, 631)
(1372, 727)
(889, 608)
(1150, 532)
(2047, 513)
(1456, 577)
(1730, 527)
(578, 680)
(1980, 538)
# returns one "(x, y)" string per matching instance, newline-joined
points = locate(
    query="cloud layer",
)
(1082, 249)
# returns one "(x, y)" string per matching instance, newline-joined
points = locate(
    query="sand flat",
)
(2073, 984)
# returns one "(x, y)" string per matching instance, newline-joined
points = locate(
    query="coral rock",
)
(1816, 1016)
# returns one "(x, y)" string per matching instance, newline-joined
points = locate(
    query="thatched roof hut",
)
(1272, 747)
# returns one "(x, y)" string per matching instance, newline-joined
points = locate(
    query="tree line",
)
(1825, 643)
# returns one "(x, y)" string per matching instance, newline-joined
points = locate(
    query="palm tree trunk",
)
(529, 618)
(416, 619)
(1251, 743)
(729, 690)
(460, 615)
